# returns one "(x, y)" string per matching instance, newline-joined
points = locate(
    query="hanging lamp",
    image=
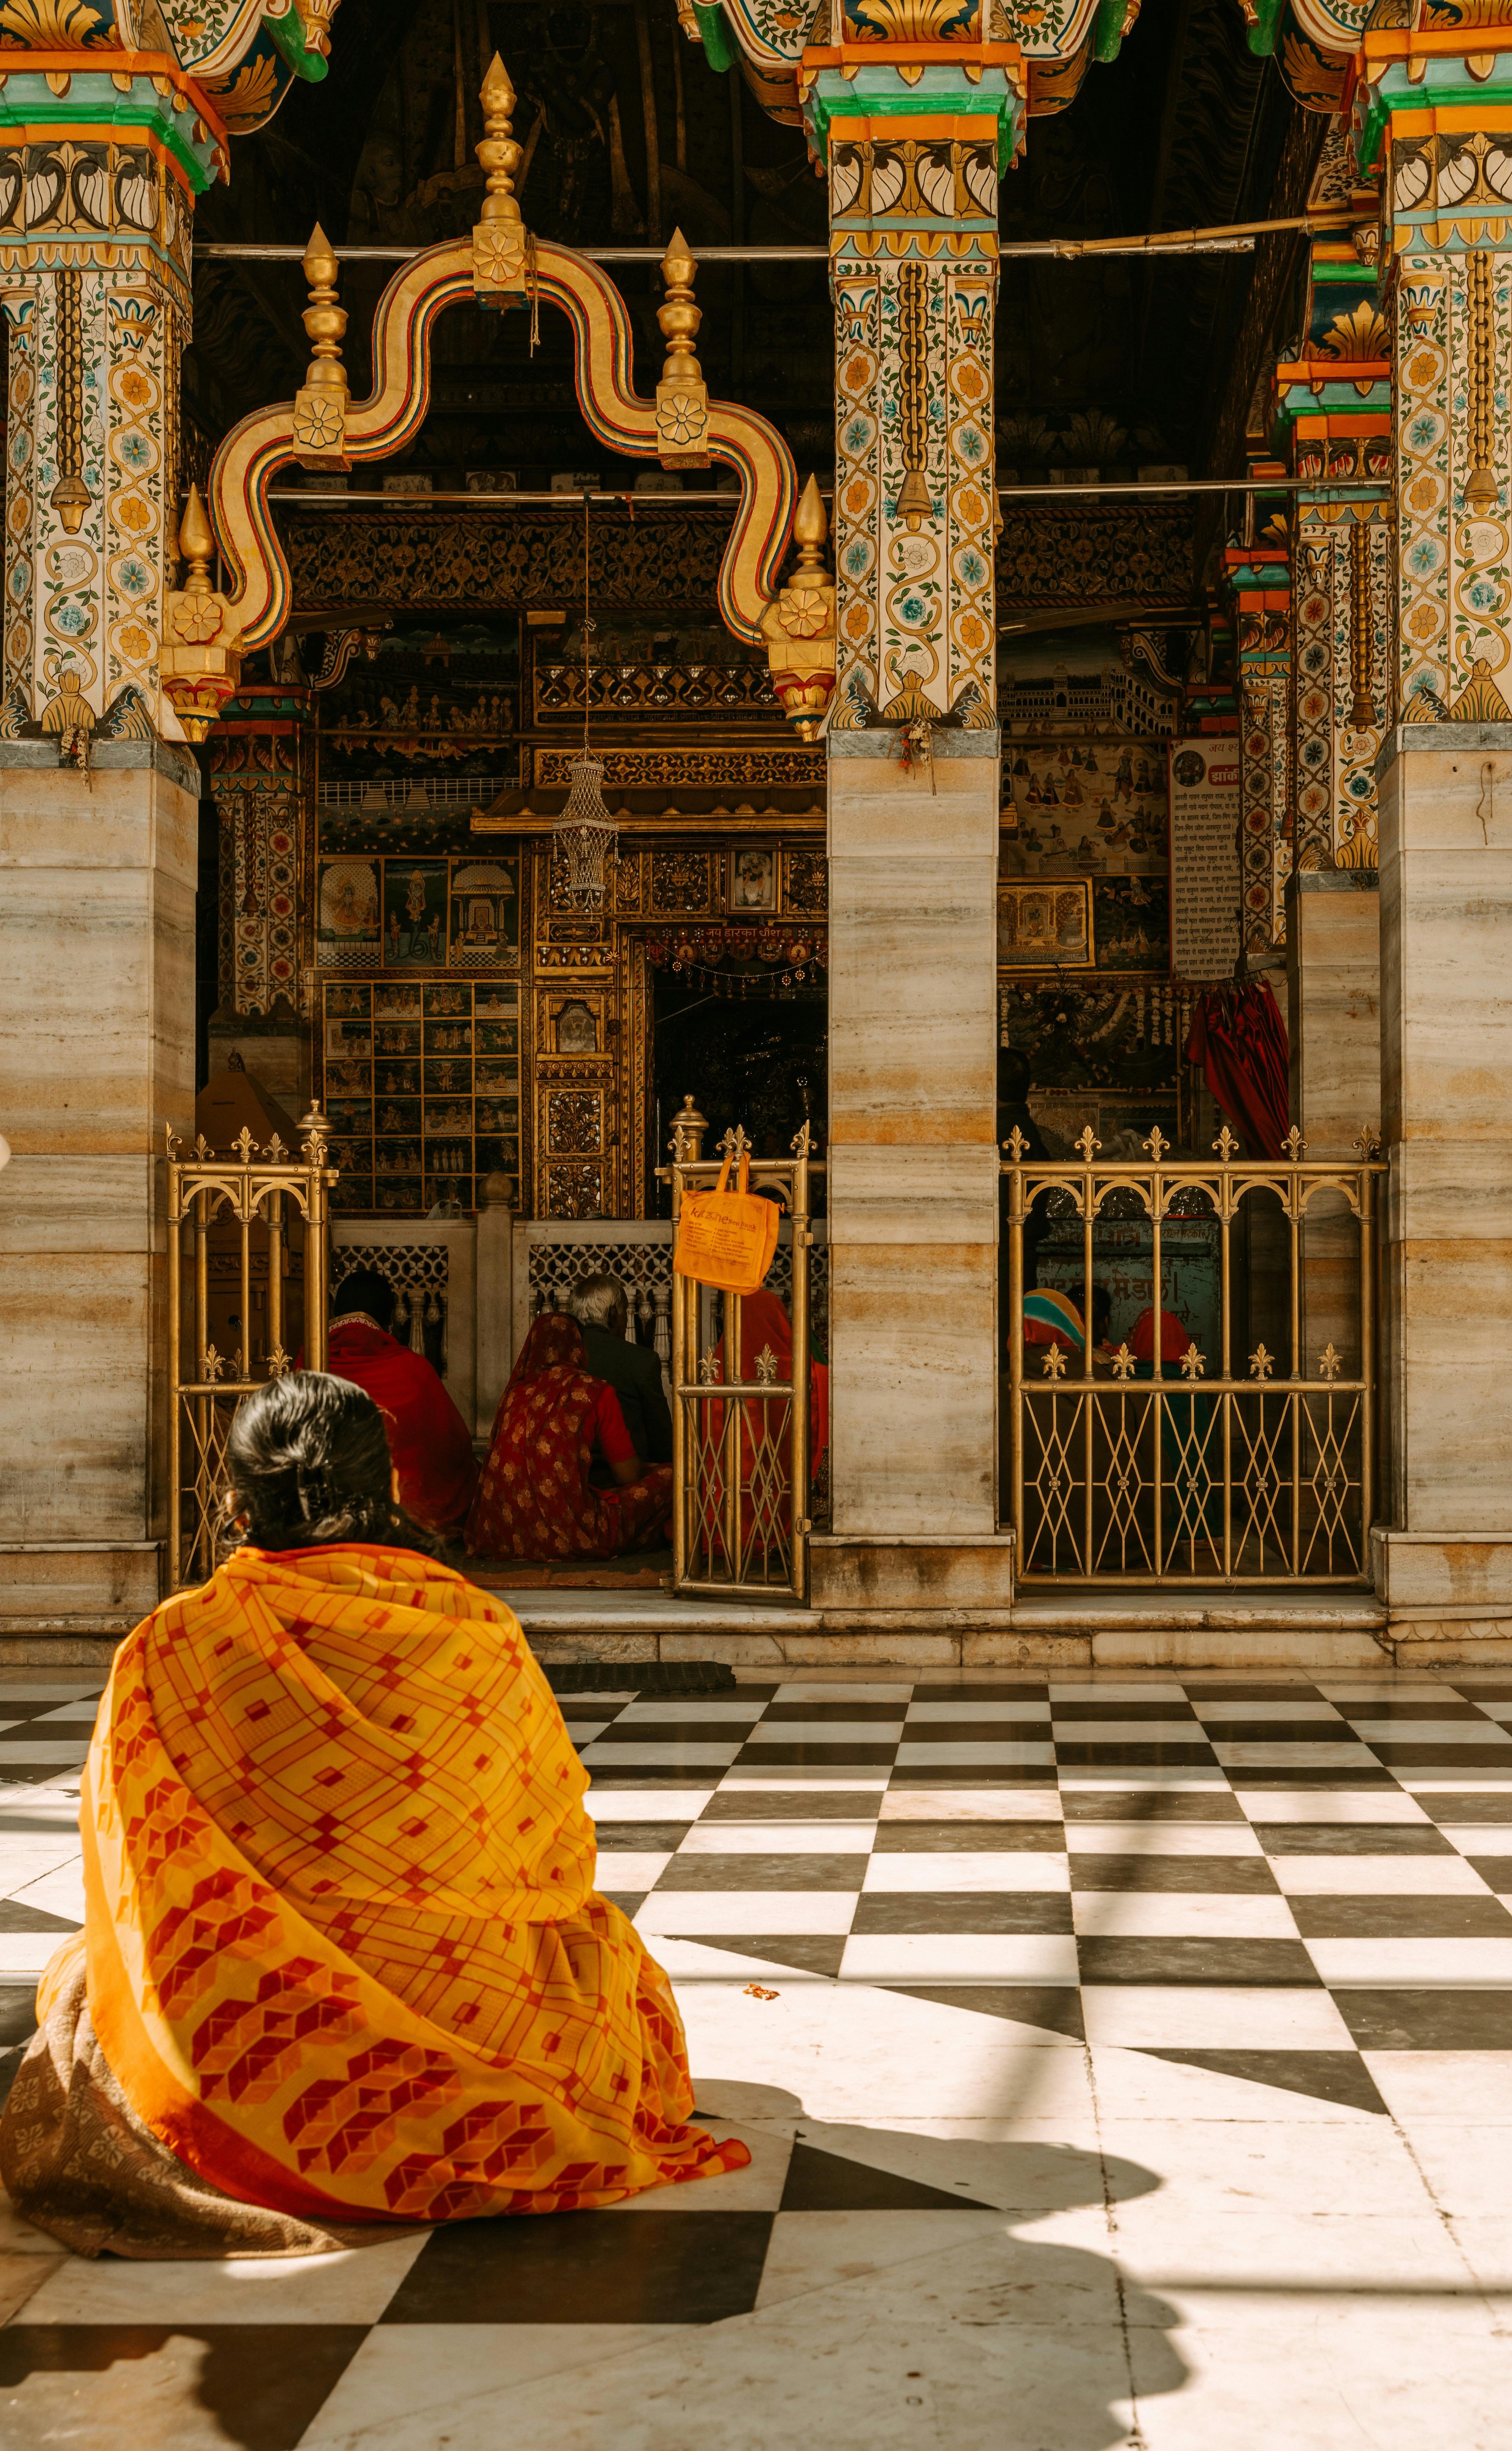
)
(586, 835)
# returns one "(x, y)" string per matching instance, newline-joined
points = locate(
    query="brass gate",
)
(740, 1516)
(1226, 1462)
(260, 1192)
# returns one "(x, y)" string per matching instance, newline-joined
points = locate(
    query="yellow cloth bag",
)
(726, 1238)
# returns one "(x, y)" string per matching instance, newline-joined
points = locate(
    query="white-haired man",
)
(633, 1371)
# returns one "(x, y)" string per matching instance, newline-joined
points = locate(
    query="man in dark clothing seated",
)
(633, 1371)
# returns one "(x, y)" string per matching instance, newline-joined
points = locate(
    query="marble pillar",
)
(96, 1056)
(912, 1185)
(915, 158)
(1333, 965)
(1446, 798)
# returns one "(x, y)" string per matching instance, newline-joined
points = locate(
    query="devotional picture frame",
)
(750, 879)
(1044, 924)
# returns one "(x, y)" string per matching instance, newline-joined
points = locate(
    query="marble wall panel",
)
(912, 1195)
(1447, 1096)
(914, 1387)
(74, 1417)
(96, 1055)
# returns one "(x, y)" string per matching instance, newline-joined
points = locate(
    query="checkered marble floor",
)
(1124, 2062)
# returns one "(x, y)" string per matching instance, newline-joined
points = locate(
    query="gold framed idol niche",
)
(1046, 925)
(750, 879)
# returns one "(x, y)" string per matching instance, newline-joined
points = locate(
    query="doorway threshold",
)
(1214, 1628)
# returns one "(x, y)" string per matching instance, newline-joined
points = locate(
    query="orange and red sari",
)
(343, 1958)
(536, 1500)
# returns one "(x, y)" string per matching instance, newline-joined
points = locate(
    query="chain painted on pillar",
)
(20, 308)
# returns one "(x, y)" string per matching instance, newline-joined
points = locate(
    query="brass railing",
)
(740, 1464)
(259, 1191)
(1235, 1463)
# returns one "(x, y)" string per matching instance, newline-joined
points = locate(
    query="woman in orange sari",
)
(536, 1497)
(343, 1964)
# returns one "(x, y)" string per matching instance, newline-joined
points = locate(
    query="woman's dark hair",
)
(1014, 1075)
(307, 1463)
(365, 1289)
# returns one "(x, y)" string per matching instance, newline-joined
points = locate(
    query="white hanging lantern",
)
(585, 836)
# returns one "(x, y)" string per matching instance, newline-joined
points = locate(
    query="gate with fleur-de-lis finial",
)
(262, 1192)
(749, 1418)
(1151, 1458)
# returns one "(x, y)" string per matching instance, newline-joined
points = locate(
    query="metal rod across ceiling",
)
(316, 499)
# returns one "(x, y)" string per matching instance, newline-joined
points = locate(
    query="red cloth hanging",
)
(1240, 1040)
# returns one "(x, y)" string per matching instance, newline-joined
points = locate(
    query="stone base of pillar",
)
(921, 1576)
(96, 1055)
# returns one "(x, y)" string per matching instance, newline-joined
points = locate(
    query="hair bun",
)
(317, 1490)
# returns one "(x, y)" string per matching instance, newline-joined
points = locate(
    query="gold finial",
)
(1226, 1146)
(1054, 1363)
(811, 529)
(683, 396)
(799, 625)
(499, 236)
(1016, 1146)
(324, 319)
(1294, 1144)
(1331, 1361)
(688, 1129)
(497, 152)
(1123, 1362)
(1088, 1144)
(196, 545)
(1193, 1363)
(1261, 1362)
(323, 400)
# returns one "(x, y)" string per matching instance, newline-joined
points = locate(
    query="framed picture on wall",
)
(1046, 924)
(752, 881)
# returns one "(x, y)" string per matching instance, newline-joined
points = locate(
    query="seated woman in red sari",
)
(559, 1434)
(343, 1964)
(430, 1441)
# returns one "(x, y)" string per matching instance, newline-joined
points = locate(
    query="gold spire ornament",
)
(683, 396)
(500, 237)
(323, 400)
(799, 625)
(200, 660)
(585, 836)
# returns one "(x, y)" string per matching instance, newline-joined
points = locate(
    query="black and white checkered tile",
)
(955, 1956)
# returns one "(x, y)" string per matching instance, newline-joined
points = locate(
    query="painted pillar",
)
(102, 153)
(914, 153)
(1433, 114)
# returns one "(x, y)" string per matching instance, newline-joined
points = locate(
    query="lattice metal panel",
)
(421, 1276)
(644, 1270)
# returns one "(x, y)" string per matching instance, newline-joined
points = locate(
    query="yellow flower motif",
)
(196, 618)
(134, 389)
(136, 642)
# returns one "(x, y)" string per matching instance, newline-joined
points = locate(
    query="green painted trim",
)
(121, 112)
(1108, 30)
(1261, 36)
(854, 100)
(718, 43)
(288, 36)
